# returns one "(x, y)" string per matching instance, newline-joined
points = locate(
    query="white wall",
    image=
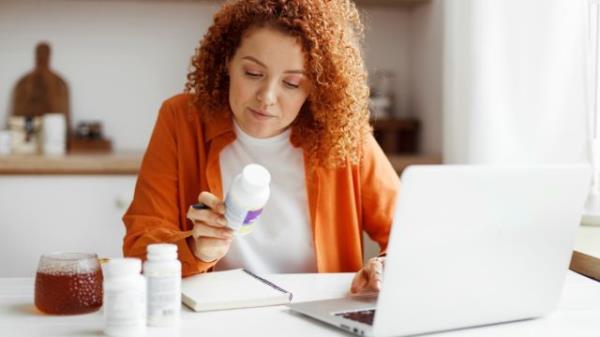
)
(409, 41)
(386, 47)
(514, 81)
(121, 59)
(426, 72)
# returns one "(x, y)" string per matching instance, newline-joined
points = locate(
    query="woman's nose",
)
(267, 95)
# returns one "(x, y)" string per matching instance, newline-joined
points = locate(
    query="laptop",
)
(469, 246)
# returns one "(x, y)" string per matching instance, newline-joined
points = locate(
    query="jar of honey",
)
(68, 283)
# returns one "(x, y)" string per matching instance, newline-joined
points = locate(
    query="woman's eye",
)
(291, 85)
(254, 75)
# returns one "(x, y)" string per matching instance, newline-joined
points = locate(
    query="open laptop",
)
(469, 246)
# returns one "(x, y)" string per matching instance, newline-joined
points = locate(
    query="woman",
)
(280, 83)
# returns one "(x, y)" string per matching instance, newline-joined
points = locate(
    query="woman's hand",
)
(212, 237)
(368, 279)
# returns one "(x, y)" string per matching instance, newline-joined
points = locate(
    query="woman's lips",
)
(260, 115)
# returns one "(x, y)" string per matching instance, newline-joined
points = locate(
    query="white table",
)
(578, 314)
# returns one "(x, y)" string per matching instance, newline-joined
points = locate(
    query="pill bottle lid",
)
(122, 267)
(161, 251)
(255, 176)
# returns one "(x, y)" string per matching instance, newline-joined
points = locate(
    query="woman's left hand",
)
(368, 279)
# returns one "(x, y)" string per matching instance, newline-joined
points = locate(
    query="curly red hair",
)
(334, 120)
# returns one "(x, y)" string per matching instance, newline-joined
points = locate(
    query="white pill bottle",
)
(248, 194)
(124, 298)
(163, 276)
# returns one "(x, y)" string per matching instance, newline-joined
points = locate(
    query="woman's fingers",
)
(211, 215)
(210, 249)
(212, 237)
(207, 216)
(359, 282)
(369, 277)
(204, 230)
(211, 200)
(375, 273)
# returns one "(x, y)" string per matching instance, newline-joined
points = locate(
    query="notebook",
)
(231, 289)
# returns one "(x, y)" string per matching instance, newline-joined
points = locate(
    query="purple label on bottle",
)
(251, 217)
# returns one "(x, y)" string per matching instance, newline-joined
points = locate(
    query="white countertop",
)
(588, 241)
(578, 314)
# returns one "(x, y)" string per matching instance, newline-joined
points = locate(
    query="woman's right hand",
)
(212, 237)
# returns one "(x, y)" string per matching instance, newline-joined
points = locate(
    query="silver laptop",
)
(470, 246)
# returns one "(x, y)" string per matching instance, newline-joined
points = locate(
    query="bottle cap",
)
(161, 251)
(122, 267)
(255, 176)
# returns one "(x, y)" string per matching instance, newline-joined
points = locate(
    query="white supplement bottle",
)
(124, 298)
(246, 198)
(163, 274)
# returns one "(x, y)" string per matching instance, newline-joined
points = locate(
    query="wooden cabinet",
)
(397, 136)
(40, 214)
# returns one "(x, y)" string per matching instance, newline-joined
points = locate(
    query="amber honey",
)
(68, 293)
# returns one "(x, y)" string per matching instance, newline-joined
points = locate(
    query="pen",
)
(194, 206)
(200, 206)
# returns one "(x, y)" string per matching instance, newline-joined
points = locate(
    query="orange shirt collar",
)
(218, 125)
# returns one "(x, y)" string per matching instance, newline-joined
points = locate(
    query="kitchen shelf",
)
(128, 163)
(120, 163)
(400, 161)
(397, 136)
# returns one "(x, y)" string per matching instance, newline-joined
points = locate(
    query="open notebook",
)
(230, 289)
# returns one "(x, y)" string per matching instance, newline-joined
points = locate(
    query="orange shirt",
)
(182, 160)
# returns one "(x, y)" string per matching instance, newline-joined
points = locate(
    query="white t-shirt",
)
(282, 240)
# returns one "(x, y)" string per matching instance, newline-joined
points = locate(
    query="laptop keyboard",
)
(363, 316)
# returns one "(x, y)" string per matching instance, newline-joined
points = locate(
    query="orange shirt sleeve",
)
(153, 216)
(379, 185)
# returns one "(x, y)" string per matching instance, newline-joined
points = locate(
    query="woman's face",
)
(268, 84)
